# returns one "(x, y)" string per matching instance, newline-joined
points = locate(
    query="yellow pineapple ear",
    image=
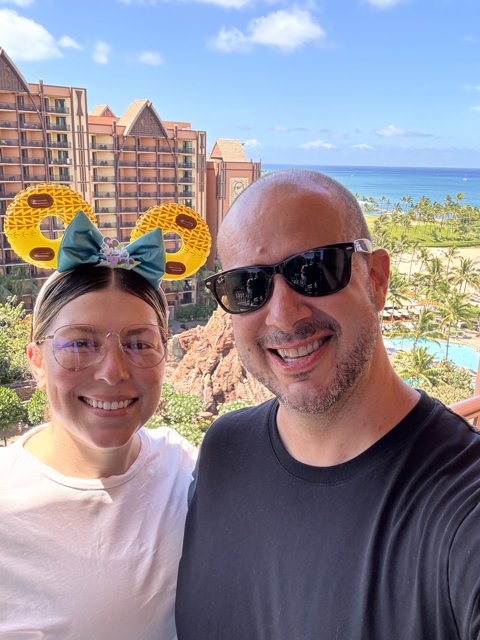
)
(186, 223)
(27, 211)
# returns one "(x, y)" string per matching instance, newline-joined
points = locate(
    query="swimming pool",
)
(460, 354)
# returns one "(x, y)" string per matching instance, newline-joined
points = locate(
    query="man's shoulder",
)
(245, 416)
(241, 425)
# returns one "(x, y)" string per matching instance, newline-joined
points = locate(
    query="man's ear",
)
(379, 273)
(35, 360)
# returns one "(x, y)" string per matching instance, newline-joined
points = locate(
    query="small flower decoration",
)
(114, 253)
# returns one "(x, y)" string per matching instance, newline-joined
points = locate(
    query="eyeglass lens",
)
(317, 272)
(78, 346)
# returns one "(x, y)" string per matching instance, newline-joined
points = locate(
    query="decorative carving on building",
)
(237, 185)
(147, 124)
(79, 95)
(10, 80)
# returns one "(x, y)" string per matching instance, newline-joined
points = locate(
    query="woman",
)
(92, 505)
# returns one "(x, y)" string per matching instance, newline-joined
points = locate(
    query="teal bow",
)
(82, 243)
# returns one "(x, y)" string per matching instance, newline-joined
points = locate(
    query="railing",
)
(469, 409)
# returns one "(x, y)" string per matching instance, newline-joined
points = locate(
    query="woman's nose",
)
(114, 366)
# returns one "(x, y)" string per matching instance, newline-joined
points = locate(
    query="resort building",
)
(121, 165)
(229, 172)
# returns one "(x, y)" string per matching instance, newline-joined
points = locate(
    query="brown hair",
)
(61, 288)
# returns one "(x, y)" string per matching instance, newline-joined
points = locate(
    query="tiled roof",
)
(228, 151)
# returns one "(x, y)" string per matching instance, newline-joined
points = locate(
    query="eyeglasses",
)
(78, 346)
(316, 272)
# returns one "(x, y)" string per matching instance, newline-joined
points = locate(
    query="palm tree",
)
(416, 366)
(466, 274)
(450, 254)
(398, 289)
(453, 309)
(424, 327)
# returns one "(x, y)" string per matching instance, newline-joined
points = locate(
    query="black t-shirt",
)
(383, 547)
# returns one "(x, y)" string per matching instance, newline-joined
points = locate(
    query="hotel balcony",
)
(8, 142)
(11, 160)
(56, 109)
(102, 147)
(102, 163)
(57, 127)
(103, 179)
(469, 409)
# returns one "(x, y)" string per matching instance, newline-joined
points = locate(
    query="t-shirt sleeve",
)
(464, 575)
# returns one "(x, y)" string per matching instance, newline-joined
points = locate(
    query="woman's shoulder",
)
(166, 442)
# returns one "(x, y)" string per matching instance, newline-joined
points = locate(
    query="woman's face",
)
(104, 404)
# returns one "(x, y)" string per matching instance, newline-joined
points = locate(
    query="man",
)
(346, 508)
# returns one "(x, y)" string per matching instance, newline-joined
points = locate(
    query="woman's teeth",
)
(301, 351)
(108, 406)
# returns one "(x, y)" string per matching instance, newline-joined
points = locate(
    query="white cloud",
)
(392, 131)
(285, 29)
(283, 129)
(101, 53)
(383, 4)
(150, 57)
(363, 147)
(24, 39)
(227, 4)
(317, 144)
(252, 142)
(18, 3)
(475, 108)
(228, 40)
(69, 43)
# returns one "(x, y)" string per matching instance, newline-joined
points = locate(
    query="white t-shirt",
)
(93, 559)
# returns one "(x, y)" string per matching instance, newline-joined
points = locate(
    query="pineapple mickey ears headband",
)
(83, 243)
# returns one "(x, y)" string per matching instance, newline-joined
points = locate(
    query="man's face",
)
(310, 352)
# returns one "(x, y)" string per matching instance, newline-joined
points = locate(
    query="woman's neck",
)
(57, 448)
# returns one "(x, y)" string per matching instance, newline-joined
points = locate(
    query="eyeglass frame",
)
(361, 245)
(106, 334)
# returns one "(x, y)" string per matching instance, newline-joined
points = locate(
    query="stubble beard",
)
(348, 371)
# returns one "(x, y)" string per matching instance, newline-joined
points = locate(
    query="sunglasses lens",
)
(319, 272)
(243, 290)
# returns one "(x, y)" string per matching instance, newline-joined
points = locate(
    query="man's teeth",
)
(301, 351)
(108, 406)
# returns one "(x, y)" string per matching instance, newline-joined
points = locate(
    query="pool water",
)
(460, 354)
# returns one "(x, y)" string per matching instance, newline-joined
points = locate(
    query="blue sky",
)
(320, 82)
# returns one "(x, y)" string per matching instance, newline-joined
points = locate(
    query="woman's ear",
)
(35, 360)
(379, 275)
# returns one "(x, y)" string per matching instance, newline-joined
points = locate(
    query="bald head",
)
(281, 200)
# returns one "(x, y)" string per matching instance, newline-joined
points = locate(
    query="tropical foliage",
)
(14, 336)
(11, 412)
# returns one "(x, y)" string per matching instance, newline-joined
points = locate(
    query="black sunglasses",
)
(316, 272)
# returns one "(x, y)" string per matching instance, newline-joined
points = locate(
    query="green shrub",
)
(14, 337)
(12, 411)
(233, 406)
(194, 433)
(37, 408)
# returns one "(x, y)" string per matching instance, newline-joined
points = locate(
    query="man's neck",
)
(349, 428)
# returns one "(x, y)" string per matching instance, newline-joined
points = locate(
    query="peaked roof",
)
(102, 110)
(141, 119)
(228, 151)
(10, 77)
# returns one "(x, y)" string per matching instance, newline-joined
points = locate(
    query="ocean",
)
(394, 183)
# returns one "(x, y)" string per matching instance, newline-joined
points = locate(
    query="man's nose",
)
(285, 306)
